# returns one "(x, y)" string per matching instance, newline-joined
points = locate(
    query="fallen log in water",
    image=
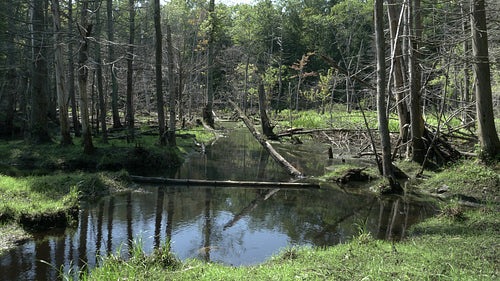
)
(229, 183)
(291, 170)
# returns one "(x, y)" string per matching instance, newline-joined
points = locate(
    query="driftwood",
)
(291, 170)
(229, 183)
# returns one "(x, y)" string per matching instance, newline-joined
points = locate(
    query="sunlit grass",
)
(36, 195)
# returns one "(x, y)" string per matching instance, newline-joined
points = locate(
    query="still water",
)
(234, 226)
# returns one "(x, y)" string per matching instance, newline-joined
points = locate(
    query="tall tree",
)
(100, 88)
(71, 76)
(62, 98)
(111, 58)
(39, 132)
(383, 122)
(158, 63)
(395, 24)
(417, 121)
(85, 29)
(488, 137)
(130, 69)
(171, 88)
(207, 110)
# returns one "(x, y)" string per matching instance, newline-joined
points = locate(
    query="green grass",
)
(470, 178)
(338, 119)
(40, 202)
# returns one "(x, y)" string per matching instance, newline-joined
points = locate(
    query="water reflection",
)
(229, 225)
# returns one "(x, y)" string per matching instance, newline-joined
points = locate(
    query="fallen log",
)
(228, 183)
(263, 141)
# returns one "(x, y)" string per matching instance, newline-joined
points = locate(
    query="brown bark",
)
(267, 128)
(488, 137)
(395, 30)
(383, 123)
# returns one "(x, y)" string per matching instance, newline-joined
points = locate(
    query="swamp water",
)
(235, 226)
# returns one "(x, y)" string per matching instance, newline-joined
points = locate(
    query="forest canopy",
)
(97, 64)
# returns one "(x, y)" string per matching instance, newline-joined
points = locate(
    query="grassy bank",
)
(41, 185)
(459, 244)
(37, 203)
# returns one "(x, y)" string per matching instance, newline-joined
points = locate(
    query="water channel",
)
(234, 226)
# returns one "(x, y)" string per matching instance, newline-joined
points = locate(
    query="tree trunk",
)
(207, 110)
(171, 89)
(71, 82)
(130, 70)
(39, 132)
(395, 30)
(383, 122)
(100, 89)
(60, 76)
(111, 58)
(158, 71)
(417, 121)
(488, 137)
(466, 117)
(9, 91)
(267, 129)
(85, 30)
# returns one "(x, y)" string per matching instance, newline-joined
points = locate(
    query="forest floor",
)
(460, 243)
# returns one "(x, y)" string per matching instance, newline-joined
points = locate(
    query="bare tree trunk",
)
(466, 118)
(85, 30)
(111, 57)
(130, 70)
(100, 90)
(60, 76)
(9, 91)
(488, 137)
(417, 121)
(267, 129)
(71, 82)
(395, 30)
(171, 89)
(158, 71)
(207, 110)
(39, 132)
(383, 122)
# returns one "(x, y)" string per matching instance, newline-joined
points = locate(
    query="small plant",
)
(290, 253)
(454, 211)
